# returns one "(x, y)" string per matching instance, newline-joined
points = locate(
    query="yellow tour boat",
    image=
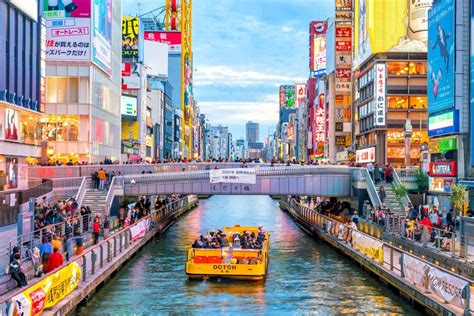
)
(241, 254)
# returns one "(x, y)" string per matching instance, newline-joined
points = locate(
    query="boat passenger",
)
(237, 242)
(197, 244)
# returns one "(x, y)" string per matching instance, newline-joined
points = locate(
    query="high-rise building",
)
(21, 91)
(252, 132)
(83, 82)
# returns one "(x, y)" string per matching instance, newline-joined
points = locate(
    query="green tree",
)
(457, 197)
(400, 192)
(422, 182)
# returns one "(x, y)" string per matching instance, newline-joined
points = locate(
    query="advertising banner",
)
(129, 105)
(241, 175)
(444, 285)
(130, 37)
(301, 95)
(343, 17)
(343, 73)
(68, 39)
(320, 115)
(47, 292)
(66, 9)
(11, 125)
(130, 76)
(441, 57)
(440, 185)
(444, 123)
(343, 5)
(443, 169)
(380, 82)
(365, 155)
(287, 97)
(12, 172)
(173, 39)
(368, 245)
(139, 230)
(102, 35)
(317, 47)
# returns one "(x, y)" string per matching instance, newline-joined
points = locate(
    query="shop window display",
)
(60, 128)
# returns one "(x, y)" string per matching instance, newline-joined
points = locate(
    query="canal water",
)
(305, 275)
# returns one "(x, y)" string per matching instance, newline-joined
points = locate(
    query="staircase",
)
(390, 200)
(93, 198)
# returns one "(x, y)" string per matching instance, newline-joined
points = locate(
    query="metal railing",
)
(407, 174)
(81, 192)
(390, 253)
(362, 174)
(61, 183)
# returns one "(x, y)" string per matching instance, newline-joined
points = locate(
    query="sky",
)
(243, 51)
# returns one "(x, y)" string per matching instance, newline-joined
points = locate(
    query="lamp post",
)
(408, 133)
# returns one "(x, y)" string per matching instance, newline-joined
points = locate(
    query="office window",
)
(418, 103)
(397, 102)
(397, 68)
(62, 90)
(417, 68)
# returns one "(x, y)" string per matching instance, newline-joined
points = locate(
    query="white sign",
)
(129, 105)
(444, 285)
(139, 230)
(342, 155)
(380, 78)
(68, 39)
(343, 86)
(301, 95)
(242, 175)
(365, 155)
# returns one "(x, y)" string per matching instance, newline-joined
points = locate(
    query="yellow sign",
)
(381, 26)
(149, 141)
(47, 292)
(368, 245)
(130, 130)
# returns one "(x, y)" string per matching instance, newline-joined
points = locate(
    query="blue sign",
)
(443, 123)
(441, 37)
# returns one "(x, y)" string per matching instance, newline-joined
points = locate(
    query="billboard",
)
(380, 87)
(11, 125)
(102, 35)
(389, 26)
(172, 39)
(55, 9)
(443, 123)
(131, 76)
(343, 5)
(300, 95)
(12, 172)
(128, 105)
(441, 57)
(68, 39)
(130, 37)
(287, 97)
(317, 47)
(156, 58)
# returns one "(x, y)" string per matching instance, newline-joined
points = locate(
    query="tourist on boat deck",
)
(197, 244)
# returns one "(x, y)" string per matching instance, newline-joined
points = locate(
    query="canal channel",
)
(305, 275)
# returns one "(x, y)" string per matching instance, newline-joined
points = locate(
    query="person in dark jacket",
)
(16, 271)
(382, 194)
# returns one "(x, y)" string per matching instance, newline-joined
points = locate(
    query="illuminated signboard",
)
(380, 77)
(444, 123)
(317, 46)
(130, 37)
(129, 105)
(443, 169)
(320, 134)
(287, 97)
(301, 95)
(365, 155)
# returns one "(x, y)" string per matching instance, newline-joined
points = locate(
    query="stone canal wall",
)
(96, 265)
(427, 286)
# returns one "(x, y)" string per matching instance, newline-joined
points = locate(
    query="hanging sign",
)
(240, 175)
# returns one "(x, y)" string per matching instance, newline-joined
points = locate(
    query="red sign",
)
(318, 28)
(343, 46)
(173, 39)
(320, 126)
(443, 169)
(343, 31)
(343, 73)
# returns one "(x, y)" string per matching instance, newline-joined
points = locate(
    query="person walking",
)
(96, 230)
(102, 176)
(382, 194)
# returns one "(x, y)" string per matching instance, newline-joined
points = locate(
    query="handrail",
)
(371, 189)
(110, 196)
(71, 182)
(81, 192)
(405, 198)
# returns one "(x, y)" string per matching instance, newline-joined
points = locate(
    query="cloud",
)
(227, 76)
(236, 112)
(286, 29)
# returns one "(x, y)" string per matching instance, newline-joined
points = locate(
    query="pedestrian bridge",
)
(334, 181)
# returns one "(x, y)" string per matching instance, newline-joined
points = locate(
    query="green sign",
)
(447, 144)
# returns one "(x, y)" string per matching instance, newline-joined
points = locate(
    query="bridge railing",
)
(405, 198)
(407, 174)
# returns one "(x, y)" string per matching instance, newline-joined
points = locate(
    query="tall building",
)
(21, 91)
(83, 74)
(252, 132)
(219, 142)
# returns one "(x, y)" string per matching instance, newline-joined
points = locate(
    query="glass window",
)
(73, 90)
(62, 90)
(397, 68)
(51, 89)
(417, 68)
(397, 102)
(419, 103)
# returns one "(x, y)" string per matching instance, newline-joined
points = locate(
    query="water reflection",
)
(305, 275)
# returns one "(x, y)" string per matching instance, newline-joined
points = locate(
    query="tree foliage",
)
(400, 192)
(422, 182)
(458, 194)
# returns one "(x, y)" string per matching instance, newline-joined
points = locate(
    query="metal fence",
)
(390, 254)
(407, 175)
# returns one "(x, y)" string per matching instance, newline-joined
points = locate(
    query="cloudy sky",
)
(243, 51)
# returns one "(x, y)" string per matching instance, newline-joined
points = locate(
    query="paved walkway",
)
(8, 232)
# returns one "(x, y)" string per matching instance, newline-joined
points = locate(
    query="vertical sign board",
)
(380, 82)
(301, 95)
(130, 37)
(441, 56)
(102, 34)
(317, 48)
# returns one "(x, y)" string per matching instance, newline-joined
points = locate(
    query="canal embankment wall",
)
(427, 286)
